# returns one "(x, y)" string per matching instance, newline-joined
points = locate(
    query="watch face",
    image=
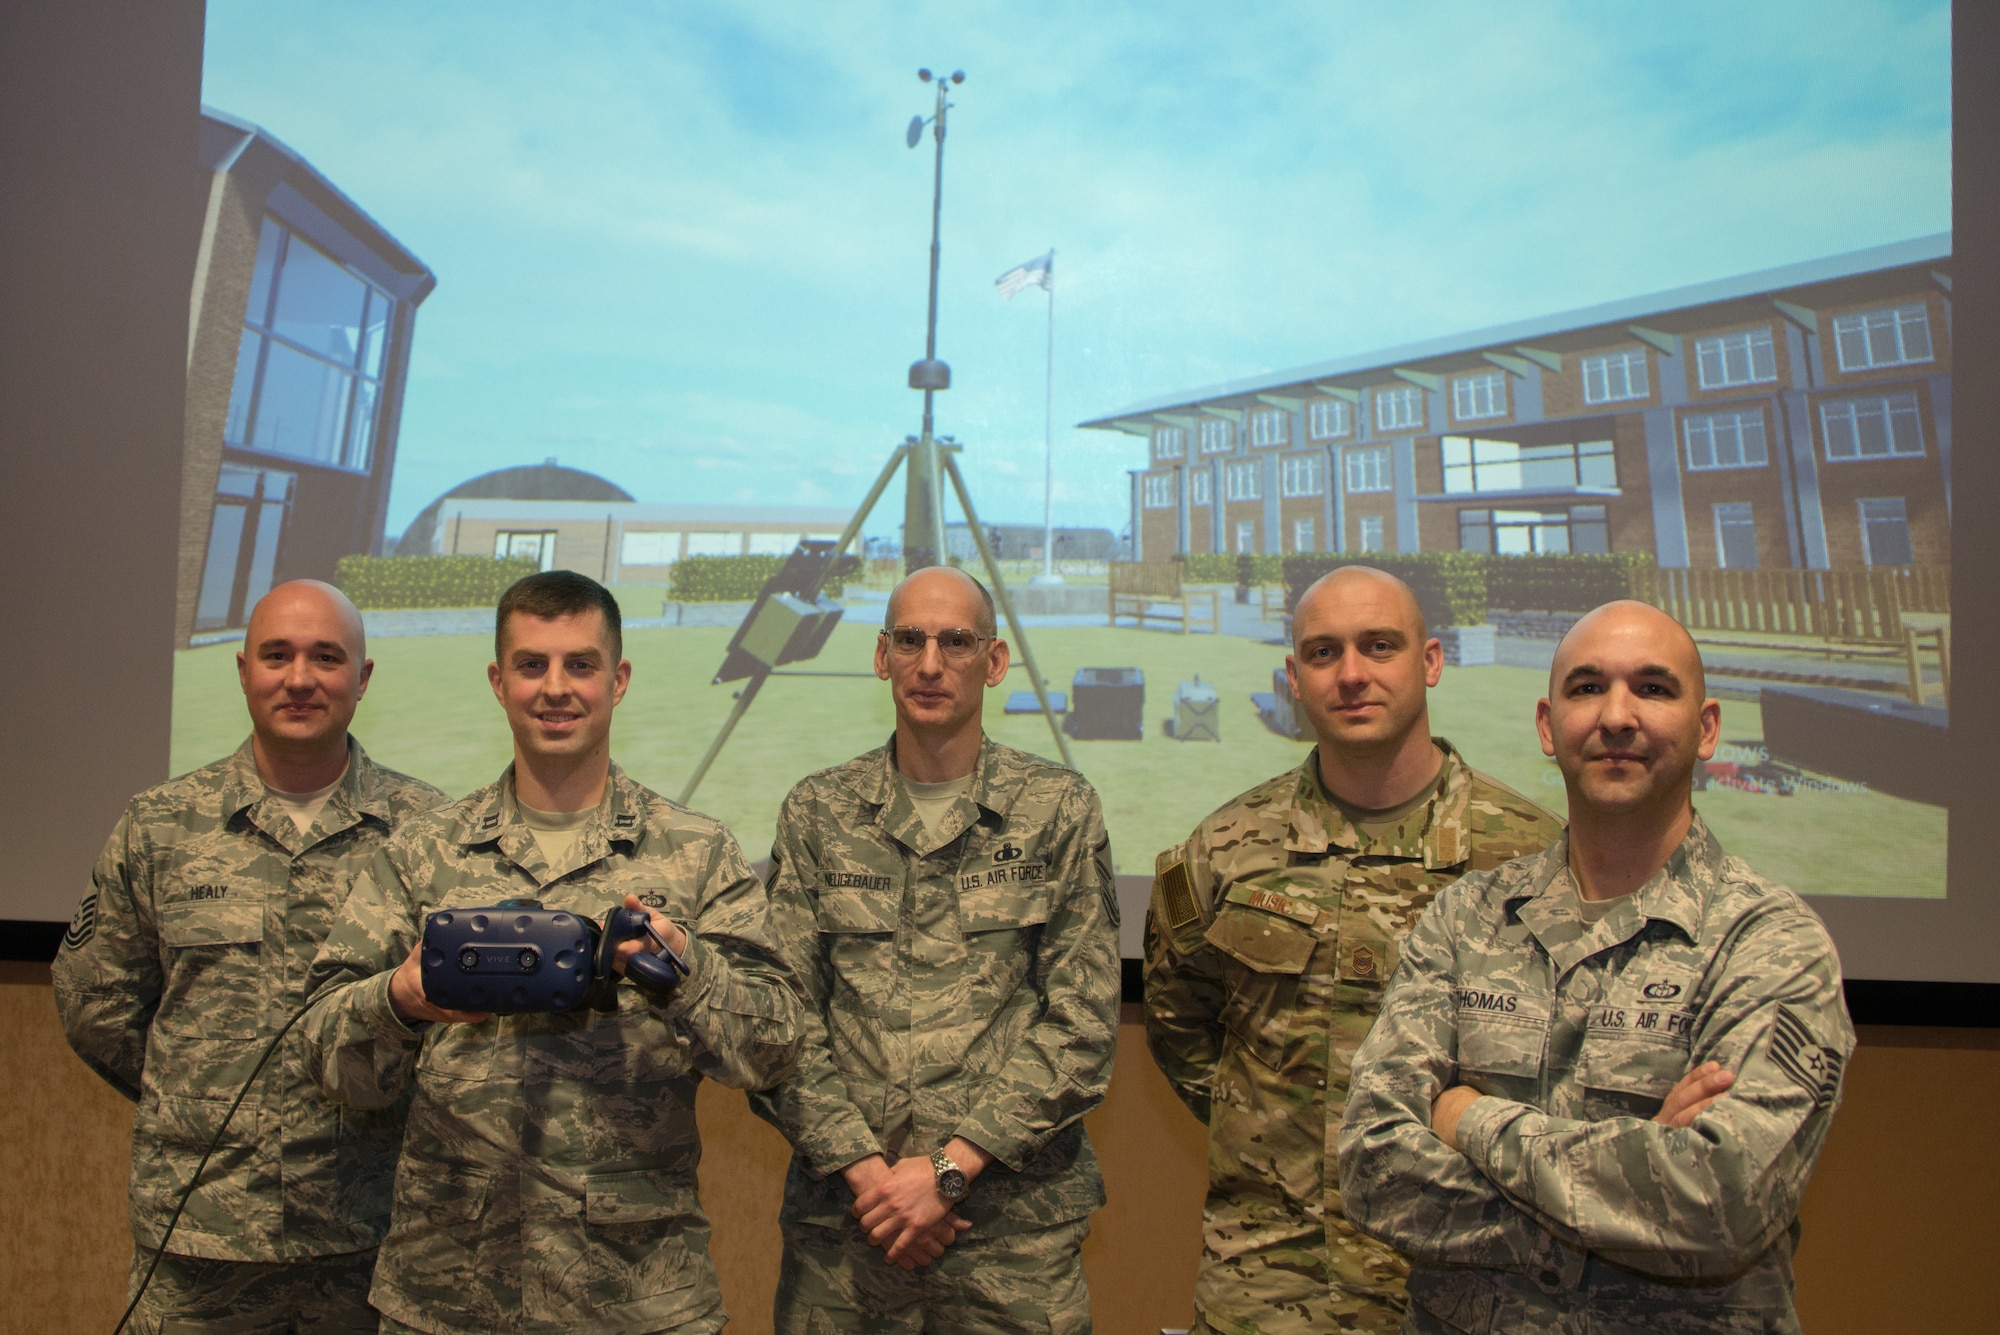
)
(951, 1183)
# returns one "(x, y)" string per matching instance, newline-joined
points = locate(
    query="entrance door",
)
(243, 540)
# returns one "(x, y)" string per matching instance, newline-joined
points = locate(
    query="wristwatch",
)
(951, 1183)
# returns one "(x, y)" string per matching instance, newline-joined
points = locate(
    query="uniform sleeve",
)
(739, 1002)
(813, 1109)
(108, 977)
(1398, 1181)
(1061, 1066)
(1185, 987)
(1710, 1198)
(356, 1048)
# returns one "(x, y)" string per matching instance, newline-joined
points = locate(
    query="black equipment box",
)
(1107, 705)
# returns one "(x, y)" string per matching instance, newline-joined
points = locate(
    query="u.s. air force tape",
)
(1177, 897)
(84, 925)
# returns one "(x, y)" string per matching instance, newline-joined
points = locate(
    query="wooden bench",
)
(1150, 591)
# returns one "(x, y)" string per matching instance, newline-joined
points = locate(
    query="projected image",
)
(1534, 312)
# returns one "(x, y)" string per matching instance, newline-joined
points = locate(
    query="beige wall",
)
(1898, 1223)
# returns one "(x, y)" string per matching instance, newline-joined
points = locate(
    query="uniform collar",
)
(1317, 825)
(1678, 893)
(878, 786)
(360, 794)
(492, 815)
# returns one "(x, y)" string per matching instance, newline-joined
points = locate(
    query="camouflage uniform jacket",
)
(186, 958)
(1568, 1210)
(547, 1180)
(1270, 937)
(963, 982)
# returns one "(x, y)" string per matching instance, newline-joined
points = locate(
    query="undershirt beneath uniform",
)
(554, 831)
(304, 808)
(932, 800)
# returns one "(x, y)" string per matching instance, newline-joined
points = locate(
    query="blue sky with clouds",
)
(683, 245)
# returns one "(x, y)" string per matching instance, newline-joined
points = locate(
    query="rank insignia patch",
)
(1811, 1066)
(84, 925)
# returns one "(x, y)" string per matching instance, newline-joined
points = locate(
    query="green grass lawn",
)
(430, 713)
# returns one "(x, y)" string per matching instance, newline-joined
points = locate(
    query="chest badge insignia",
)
(1662, 990)
(1007, 853)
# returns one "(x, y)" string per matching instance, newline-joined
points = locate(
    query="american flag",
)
(1038, 272)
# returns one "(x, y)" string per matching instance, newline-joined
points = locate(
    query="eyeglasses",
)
(910, 640)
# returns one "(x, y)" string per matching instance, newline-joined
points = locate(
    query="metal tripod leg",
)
(1006, 606)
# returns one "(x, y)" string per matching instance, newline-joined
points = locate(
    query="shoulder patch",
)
(84, 925)
(1812, 1066)
(1177, 897)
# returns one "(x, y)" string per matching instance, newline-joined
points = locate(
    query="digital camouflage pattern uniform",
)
(1568, 1210)
(1270, 937)
(547, 1180)
(185, 959)
(963, 982)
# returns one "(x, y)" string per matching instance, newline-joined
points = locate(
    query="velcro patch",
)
(1177, 897)
(84, 925)
(1812, 1066)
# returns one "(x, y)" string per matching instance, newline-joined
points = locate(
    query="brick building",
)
(1798, 416)
(299, 332)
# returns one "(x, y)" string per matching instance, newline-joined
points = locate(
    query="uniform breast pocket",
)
(1502, 1041)
(1002, 908)
(857, 935)
(214, 988)
(1632, 1057)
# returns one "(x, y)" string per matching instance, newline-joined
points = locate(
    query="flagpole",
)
(1049, 438)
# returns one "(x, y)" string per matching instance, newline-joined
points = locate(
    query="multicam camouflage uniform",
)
(186, 958)
(1271, 934)
(1568, 1211)
(547, 1180)
(959, 982)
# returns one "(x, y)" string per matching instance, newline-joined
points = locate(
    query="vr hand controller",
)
(519, 958)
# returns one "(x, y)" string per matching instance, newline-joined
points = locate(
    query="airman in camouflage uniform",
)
(961, 976)
(1272, 932)
(187, 957)
(1596, 1112)
(547, 1180)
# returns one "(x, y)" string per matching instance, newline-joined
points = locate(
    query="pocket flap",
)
(632, 1198)
(841, 909)
(1502, 1033)
(1265, 929)
(212, 922)
(995, 908)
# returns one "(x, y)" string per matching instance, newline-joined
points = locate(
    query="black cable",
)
(213, 1145)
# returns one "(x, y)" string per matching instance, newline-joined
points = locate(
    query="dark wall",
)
(99, 223)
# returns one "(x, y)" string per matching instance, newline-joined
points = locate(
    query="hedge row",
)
(1223, 567)
(381, 582)
(736, 579)
(1458, 588)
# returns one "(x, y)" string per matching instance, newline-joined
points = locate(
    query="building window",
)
(1894, 337)
(715, 544)
(1879, 428)
(1581, 528)
(649, 549)
(1399, 408)
(1885, 532)
(1371, 533)
(780, 544)
(1159, 491)
(1271, 426)
(1369, 470)
(1746, 358)
(1302, 535)
(244, 536)
(1482, 395)
(537, 547)
(1217, 436)
(1246, 535)
(309, 365)
(1244, 481)
(1474, 464)
(1328, 418)
(1169, 442)
(1302, 475)
(1614, 376)
(1201, 486)
(1735, 536)
(1732, 439)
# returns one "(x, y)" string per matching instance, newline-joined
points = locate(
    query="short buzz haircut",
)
(558, 593)
(988, 620)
